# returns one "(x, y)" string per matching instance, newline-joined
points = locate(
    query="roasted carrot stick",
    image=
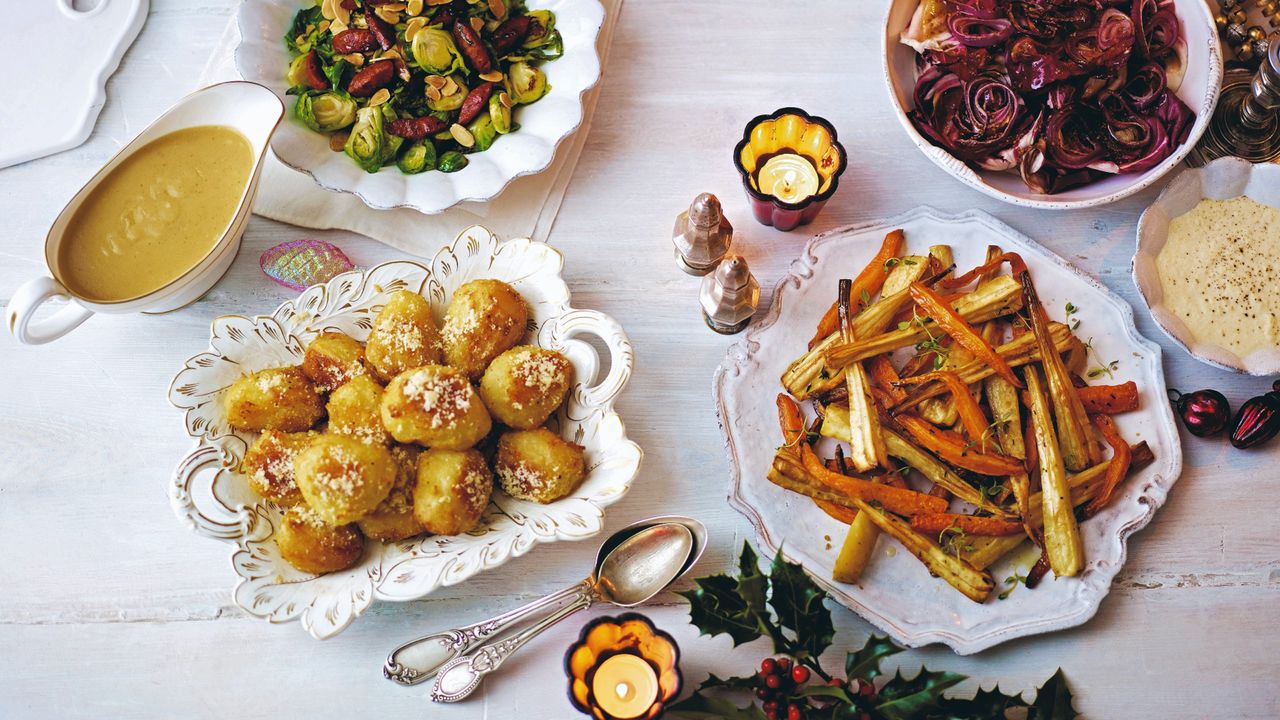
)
(839, 513)
(808, 468)
(885, 377)
(869, 281)
(1109, 399)
(963, 333)
(1117, 469)
(1016, 265)
(953, 448)
(791, 420)
(935, 523)
(971, 415)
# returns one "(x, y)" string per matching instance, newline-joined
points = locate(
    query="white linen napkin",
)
(526, 208)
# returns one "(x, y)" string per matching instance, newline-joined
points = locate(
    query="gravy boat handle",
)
(28, 298)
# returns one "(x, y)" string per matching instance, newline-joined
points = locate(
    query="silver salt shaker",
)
(702, 235)
(729, 296)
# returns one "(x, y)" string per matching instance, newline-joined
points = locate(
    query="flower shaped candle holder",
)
(623, 668)
(790, 163)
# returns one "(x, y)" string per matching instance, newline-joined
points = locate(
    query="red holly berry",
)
(771, 714)
(768, 666)
(762, 693)
(866, 689)
(773, 682)
(770, 706)
(800, 674)
(794, 713)
(784, 664)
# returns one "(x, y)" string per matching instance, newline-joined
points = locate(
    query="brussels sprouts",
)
(483, 131)
(326, 112)
(391, 143)
(452, 101)
(526, 83)
(500, 114)
(418, 156)
(367, 143)
(541, 28)
(297, 74)
(433, 50)
(452, 161)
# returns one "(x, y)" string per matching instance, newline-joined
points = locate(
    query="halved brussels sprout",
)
(418, 156)
(367, 142)
(452, 161)
(500, 114)
(297, 75)
(543, 23)
(483, 131)
(526, 83)
(450, 102)
(433, 50)
(326, 112)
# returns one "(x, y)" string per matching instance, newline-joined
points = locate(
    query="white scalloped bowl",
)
(1199, 90)
(261, 57)
(212, 497)
(897, 594)
(1222, 179)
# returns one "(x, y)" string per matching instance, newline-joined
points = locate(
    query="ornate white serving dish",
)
(897, 594)
(261, 57)
(211, 496)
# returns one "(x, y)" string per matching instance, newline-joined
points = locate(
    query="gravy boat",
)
(251, 109)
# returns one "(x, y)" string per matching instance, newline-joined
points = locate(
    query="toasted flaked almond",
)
(477, 24)
(505, 99)
(498, 8)
(450, 87)
(433, 93)
(391, 17)
(412, 27)
(300, 40)
(435, 81)
(438, 2)
(492, 76)
(392, 54)
(338, 140)
(462, 135)
(413, 7)
(324, 25)
(380, 97)
(340, 13)
(326, 9)
(355, 59)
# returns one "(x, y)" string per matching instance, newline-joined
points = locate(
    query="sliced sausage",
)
(313, 73)
(354, 40)
(385, 34)
(510, 34)
(370, 79)
(475, 103)
(476, 54)
(416, 128)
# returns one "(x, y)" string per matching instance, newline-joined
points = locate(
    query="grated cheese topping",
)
(445, 397)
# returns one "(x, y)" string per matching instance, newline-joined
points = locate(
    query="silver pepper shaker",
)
(729, 296)
(702, 235)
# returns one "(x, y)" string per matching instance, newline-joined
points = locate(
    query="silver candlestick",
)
(1246, 123)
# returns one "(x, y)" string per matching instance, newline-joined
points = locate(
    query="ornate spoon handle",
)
(461, 676)
(421, 658)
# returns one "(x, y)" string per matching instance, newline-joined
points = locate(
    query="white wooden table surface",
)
(110, 608)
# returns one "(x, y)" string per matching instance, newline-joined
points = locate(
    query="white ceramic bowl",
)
(1199, 90)
(212, 497)
(897, 594)
(262, 58)
(1221, 179)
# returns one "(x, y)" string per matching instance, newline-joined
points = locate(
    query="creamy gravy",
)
(156, 215)
(1220, 270)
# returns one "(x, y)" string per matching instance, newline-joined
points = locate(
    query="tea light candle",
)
(788, 177)
(625, 686)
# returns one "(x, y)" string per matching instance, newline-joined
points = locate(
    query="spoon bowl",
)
(644, 564)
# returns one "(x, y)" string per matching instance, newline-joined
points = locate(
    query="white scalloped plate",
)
(1222, 179)
(262, 58)
(210, 495)
(897, 594)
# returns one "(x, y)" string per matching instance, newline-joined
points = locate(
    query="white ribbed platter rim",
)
(211, 497)
(261, 57)
(897, 594)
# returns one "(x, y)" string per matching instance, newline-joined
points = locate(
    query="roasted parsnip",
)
(1061, 535)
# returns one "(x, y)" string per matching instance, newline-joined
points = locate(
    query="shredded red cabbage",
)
(1064, 92)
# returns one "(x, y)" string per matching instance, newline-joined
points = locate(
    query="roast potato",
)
(343, 479)
(268, 465)
(311, 545)
(525, 384)
(435, 406)
(484, 318)
(538, 465)
(333, 359)
(355, 410)
(404, 336)
(274, 399)
(393, 519)
(452, 491)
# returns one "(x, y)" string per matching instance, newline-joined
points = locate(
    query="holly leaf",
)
(983, 705)
(919, 697)
(720, 604)
(825, 692)
(703, 707)
(865, 663)
(1053, 700)
(798, 603)
(713, 682)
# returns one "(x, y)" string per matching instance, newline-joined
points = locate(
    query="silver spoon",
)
(421, 658)
(640, 567)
